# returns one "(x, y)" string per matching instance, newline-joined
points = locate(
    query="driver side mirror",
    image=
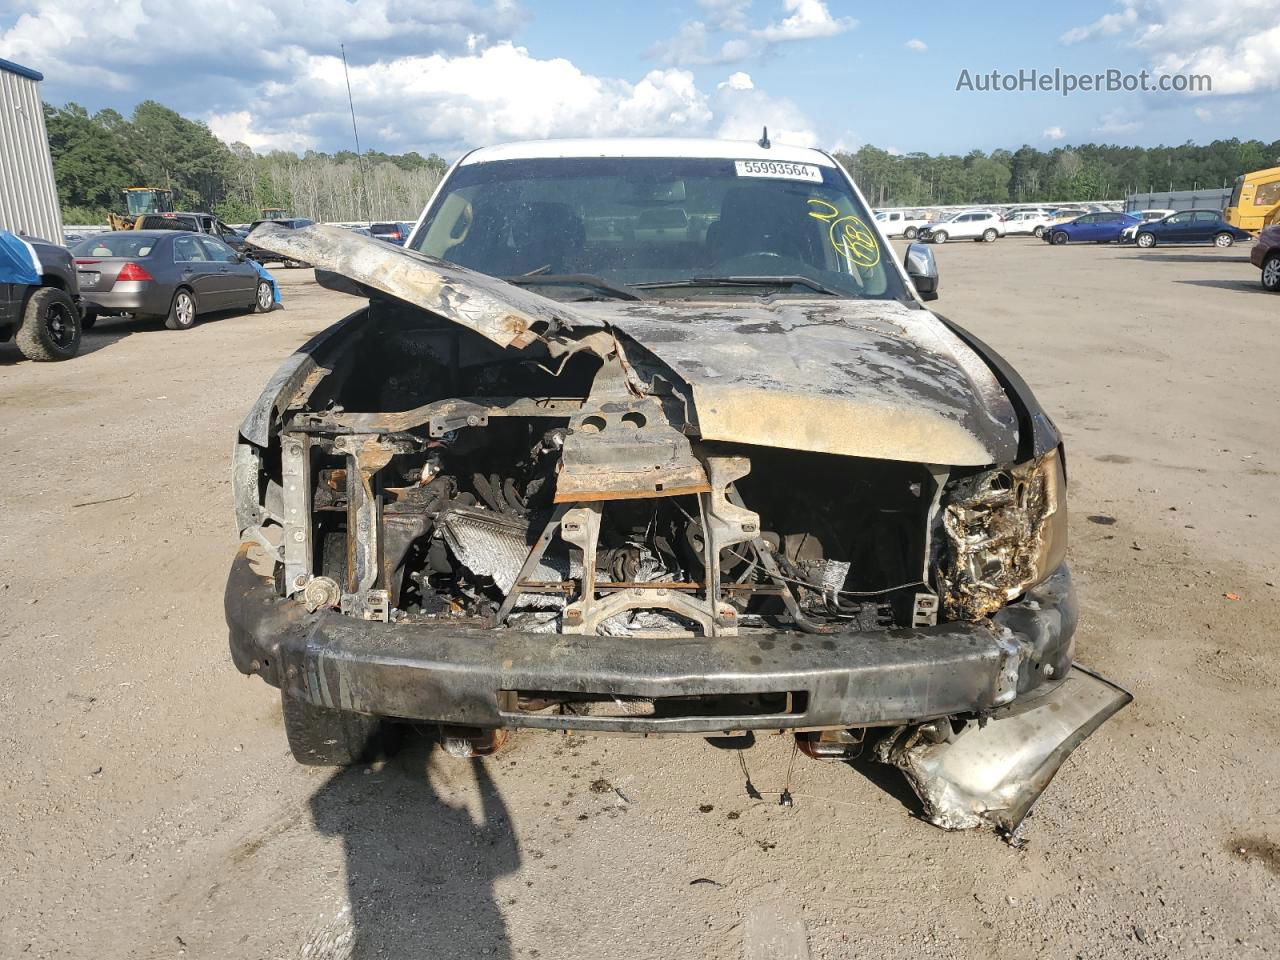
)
(923, 270)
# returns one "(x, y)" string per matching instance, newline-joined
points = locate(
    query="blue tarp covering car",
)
(18, 260)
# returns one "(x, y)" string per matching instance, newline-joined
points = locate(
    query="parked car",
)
(554, 479)
(1190, 226)
(169, 274)
(901, 223)
(39, 298)
(196, 223)
(1026, 222)
(1144, 216)
(263, 256)
(1091, 228)
(396, 233)
(1265, 255)
(984, 225)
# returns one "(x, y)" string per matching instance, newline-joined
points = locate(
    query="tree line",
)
(96, 155)
(1086, 172)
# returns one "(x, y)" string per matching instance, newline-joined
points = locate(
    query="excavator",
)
(140, 201)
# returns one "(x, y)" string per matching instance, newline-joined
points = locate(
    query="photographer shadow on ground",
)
(420, 868)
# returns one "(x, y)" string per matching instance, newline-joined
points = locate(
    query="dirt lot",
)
(150, 808)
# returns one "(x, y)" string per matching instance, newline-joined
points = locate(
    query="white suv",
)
(971, 225)
(1027, 222)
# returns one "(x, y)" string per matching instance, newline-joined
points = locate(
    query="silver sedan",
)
(166, 273)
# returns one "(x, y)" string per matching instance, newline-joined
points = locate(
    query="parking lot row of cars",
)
(1144, 228)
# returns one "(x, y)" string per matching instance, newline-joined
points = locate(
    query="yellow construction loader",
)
(140, 201)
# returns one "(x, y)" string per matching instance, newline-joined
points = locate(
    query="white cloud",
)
(916, 44)
(237, 126)
(745, 111)
(693, 43)
(1236, 42)
(737, 81)
(809, 19)
(1116, 121)
(1053, 133)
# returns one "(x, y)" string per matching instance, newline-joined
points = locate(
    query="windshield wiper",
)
(791, 280)
(590, 281)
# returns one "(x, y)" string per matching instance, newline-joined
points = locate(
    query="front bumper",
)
(471, 676)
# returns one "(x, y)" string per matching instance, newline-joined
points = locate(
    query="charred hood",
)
(868, 378)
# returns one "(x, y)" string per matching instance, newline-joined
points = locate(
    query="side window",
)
(1206, 216)
(1180, 218)
(1267, 194)
(188, 250)
(218, 251)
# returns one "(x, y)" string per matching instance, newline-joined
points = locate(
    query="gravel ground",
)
(150, 808)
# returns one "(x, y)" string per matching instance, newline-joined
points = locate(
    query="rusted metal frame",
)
(295, 475)
(924, 609)
(725, 524)
(531, 562)
(366, 455)
(580, 527)
(440, 416)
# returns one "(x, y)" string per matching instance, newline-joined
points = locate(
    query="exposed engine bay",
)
(552, 499)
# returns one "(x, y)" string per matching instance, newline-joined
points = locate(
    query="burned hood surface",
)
(867, 378)
(507, 315)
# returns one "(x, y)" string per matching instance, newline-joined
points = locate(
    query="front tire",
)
(910, 233)
(989, 235)
(1146, 241)
(1058, 239)
(1038, 232)
(1271, 273)
(322, 737)
(264, 298)
(50, 328)
(182, 312)
(939, 236)
(1223, 240)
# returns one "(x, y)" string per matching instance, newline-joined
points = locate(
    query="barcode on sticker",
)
(779, 169)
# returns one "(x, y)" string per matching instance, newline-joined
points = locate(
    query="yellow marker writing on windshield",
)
(850, 236)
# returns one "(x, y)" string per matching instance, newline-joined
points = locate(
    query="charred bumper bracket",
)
(472, 676)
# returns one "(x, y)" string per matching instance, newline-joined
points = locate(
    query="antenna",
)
(764, 139)
(354, 131)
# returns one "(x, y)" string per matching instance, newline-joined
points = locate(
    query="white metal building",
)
(28, 194)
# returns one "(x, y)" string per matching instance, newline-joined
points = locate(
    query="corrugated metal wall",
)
(28, 194)
(1179, 200)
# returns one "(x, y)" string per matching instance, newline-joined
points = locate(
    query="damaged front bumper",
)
(479, 677)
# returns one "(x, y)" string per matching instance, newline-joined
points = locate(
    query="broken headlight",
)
(1006, 532)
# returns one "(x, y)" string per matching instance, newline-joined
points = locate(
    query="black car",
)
(1191, 226)
(396, 233)
(205, 223)
(254, 252)
(44, 319)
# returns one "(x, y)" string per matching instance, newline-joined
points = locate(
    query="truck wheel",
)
(909, 233)
(50, 327)
(182, 312)
(321, 737)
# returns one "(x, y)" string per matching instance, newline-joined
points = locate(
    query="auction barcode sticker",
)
(778, 169)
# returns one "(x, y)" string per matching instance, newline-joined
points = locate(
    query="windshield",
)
(115, 245)
(632, 220)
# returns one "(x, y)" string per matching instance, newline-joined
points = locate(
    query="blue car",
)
(1091, 228)
(1191, 226)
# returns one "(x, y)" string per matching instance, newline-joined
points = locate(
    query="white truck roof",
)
(648, 147)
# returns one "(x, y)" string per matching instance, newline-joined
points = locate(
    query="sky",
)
(447, 75)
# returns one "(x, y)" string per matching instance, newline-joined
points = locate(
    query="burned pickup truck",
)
(657, 437)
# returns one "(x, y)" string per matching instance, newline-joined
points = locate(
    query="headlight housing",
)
(1006, 532)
